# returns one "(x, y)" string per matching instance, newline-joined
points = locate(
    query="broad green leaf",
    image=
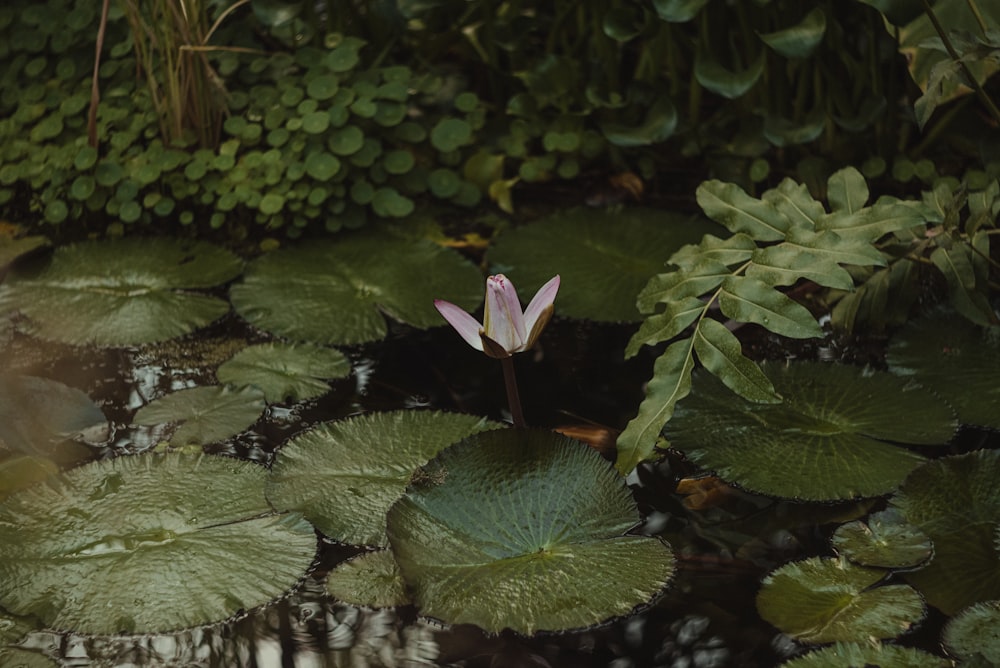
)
(730, 84)
(967, 298)
(148, 543)
(681, 284)
(285, 371)
(831, 245)
(886, 540)
(674, 319)
(956, 501)
(729, 251)
(343, 476)
(954, 358)
(204, 414)
(820, 600)
(847, 190)
(867, 653)
(604, 257)
(670, 383)
(721, 353)
(121, 292)
(794, 201)
(800, 40)
(38, 416)
(782, 131)
(514, 529)
(678, 11)
(898, 12)
(332, 292)
(872, 223)
(973, 633)
(834, 436)
(371, 579)
(728, 205)
(749, 300)
(658, 126)
(784, 265)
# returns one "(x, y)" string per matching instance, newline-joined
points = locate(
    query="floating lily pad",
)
(371, 579)
(345, 475)
(516, 528)
(955, 359)
(821, 600)
(285, 371)
(833, 436)
(885, 541)
(205, 414)
(956, 501)
(122, 292)
(605, 258)
(39, 416)
(332, 292)
(974, 633)
(20, 471)
(861, 654)
(148, 543)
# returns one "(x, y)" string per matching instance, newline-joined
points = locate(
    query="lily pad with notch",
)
(515, 529)
(204, 414)
(974, 634)
(820, 600)
(148, 543)
(371, 579)
(886, 540)
(605, 257)
(285, 371)
(836, 434)
(335, 292)
(122, 292)
(956, 501)
(345, 475)
(853, 654)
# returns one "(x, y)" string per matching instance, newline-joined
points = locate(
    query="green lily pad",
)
(39, 416)
(148, 543)
(956, 501)
(885, 541)
(345, 475)
(862, 654)
(956, 360)
(285, 371)
(122, 292)
(371, 579)
(12, 630)
(834, 435)
(974, 633)
(821, 600)
(205, 414)
(605, 257)
(515, 529)
(332, 292)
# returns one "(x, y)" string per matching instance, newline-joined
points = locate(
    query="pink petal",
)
(540, 303)
(464, 324)
(504, 320)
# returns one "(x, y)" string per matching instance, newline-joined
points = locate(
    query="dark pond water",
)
(575, 377)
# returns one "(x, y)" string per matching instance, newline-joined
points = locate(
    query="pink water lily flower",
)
(505, 329)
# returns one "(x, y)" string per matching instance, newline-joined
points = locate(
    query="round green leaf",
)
(974, 633)
(955, 359)
(121, 292)
(348, 140)
(322, 166)
(205, 414)
(371, 579)
(316, 122)
(604, 257)
(444, 182)
(334, 293)
(833, 436)
(148, 543)
(345, 475)
(323, 87)
(285, 371)
(271, 203)
(853, 655)
(821, 600)
(885, 541)
(56, 211)
(450, 134)
(956, 501)
(38, 416)
(515, 529)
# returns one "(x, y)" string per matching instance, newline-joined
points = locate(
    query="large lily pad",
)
(886, 540)
(285, 371)
(371, 579)
(956, 501)
(821, 600)
(516, 529)
(861, 654)
(605, 257)
(148, 543)
(122, 292)
(38, 416)
(345, 475)
(834, 435)
(334, 292)
(204, 414)
(955, 359)
(974, 633)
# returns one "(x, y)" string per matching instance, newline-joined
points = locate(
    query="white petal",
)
(463, 323)
(540, 303)
(504, 320)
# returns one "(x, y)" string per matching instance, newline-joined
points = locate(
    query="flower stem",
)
(513, 399)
